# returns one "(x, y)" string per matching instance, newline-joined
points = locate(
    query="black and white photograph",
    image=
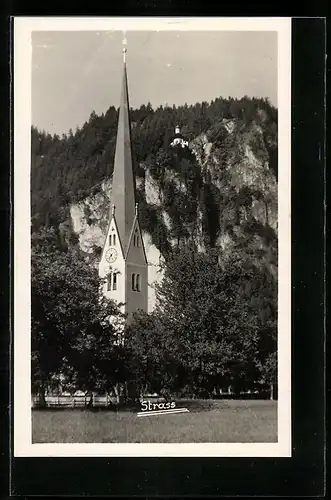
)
(152, 237)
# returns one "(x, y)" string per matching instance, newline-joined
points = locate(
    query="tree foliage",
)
(74, 331)
(208, 328)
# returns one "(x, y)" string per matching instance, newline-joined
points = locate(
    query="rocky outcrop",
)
(238, 176)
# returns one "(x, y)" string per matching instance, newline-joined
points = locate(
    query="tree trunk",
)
(90, 402)
(118, 393)
(132, 391)
(271, 391)
(42, 397)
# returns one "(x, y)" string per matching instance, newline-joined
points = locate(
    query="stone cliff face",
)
(244, 187)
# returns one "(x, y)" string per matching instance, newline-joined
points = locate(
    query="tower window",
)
(112, 281)
(108, 282)
(112, 239)
(135, 281)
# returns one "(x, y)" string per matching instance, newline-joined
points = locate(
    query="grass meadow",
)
(231, 421)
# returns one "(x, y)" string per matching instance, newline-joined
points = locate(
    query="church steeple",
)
(123, 264)
(124, 188)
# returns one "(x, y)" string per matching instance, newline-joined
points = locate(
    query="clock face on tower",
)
(111, 255)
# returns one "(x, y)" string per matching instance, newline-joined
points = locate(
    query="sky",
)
(76, 72)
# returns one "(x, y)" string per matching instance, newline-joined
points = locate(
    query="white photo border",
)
(23, 446)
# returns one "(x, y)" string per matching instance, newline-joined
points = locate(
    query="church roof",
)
(124, 188)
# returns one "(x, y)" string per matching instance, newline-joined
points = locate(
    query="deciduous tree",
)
(74, 330)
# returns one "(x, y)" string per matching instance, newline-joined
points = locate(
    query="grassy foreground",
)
(229, 421)
(208, 421)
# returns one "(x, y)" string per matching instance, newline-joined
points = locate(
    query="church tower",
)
(123, 264)
(178, 139)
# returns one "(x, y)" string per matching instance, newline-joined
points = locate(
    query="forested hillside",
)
(67, 169)
(210, 210)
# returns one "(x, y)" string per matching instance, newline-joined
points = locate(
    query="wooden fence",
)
(74, 401)
(99, 401)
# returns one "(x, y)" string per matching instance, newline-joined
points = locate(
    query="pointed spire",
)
(124, 189)
(124, 42)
